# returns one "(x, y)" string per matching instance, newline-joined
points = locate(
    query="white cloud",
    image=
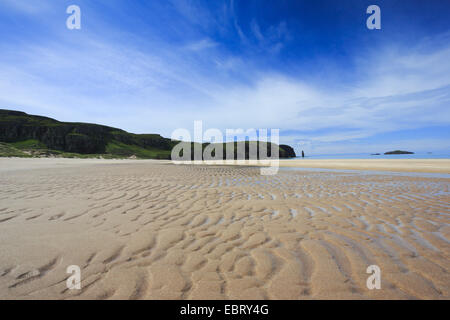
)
(202, 44)
(256, 30)
(168, 83)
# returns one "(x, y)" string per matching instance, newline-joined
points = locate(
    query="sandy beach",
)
(153, 230)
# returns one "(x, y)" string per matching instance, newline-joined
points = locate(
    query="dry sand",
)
(153, 230)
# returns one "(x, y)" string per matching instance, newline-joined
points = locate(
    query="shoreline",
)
(393, 165)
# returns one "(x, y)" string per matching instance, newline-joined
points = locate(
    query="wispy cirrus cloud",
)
(202, 44)
(26, 7)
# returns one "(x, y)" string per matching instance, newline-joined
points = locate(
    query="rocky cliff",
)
(84, 138)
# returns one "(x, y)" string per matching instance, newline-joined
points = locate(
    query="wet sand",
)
(398, 165)
(395, 165)
(153, 230)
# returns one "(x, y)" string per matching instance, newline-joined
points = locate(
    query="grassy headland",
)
(24, 135)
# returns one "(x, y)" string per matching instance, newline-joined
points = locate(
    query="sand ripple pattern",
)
(160, 231)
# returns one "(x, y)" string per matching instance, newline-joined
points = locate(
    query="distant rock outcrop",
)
(398, 152)
(287, 151)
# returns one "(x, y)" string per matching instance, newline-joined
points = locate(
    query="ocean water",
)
(381, 156)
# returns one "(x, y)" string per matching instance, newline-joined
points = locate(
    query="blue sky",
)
(309, 68)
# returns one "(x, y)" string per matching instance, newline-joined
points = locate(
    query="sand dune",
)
(153, 230)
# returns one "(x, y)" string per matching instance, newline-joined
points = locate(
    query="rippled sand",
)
(153, 230)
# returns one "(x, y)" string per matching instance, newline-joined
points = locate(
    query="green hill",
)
(24, 135)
